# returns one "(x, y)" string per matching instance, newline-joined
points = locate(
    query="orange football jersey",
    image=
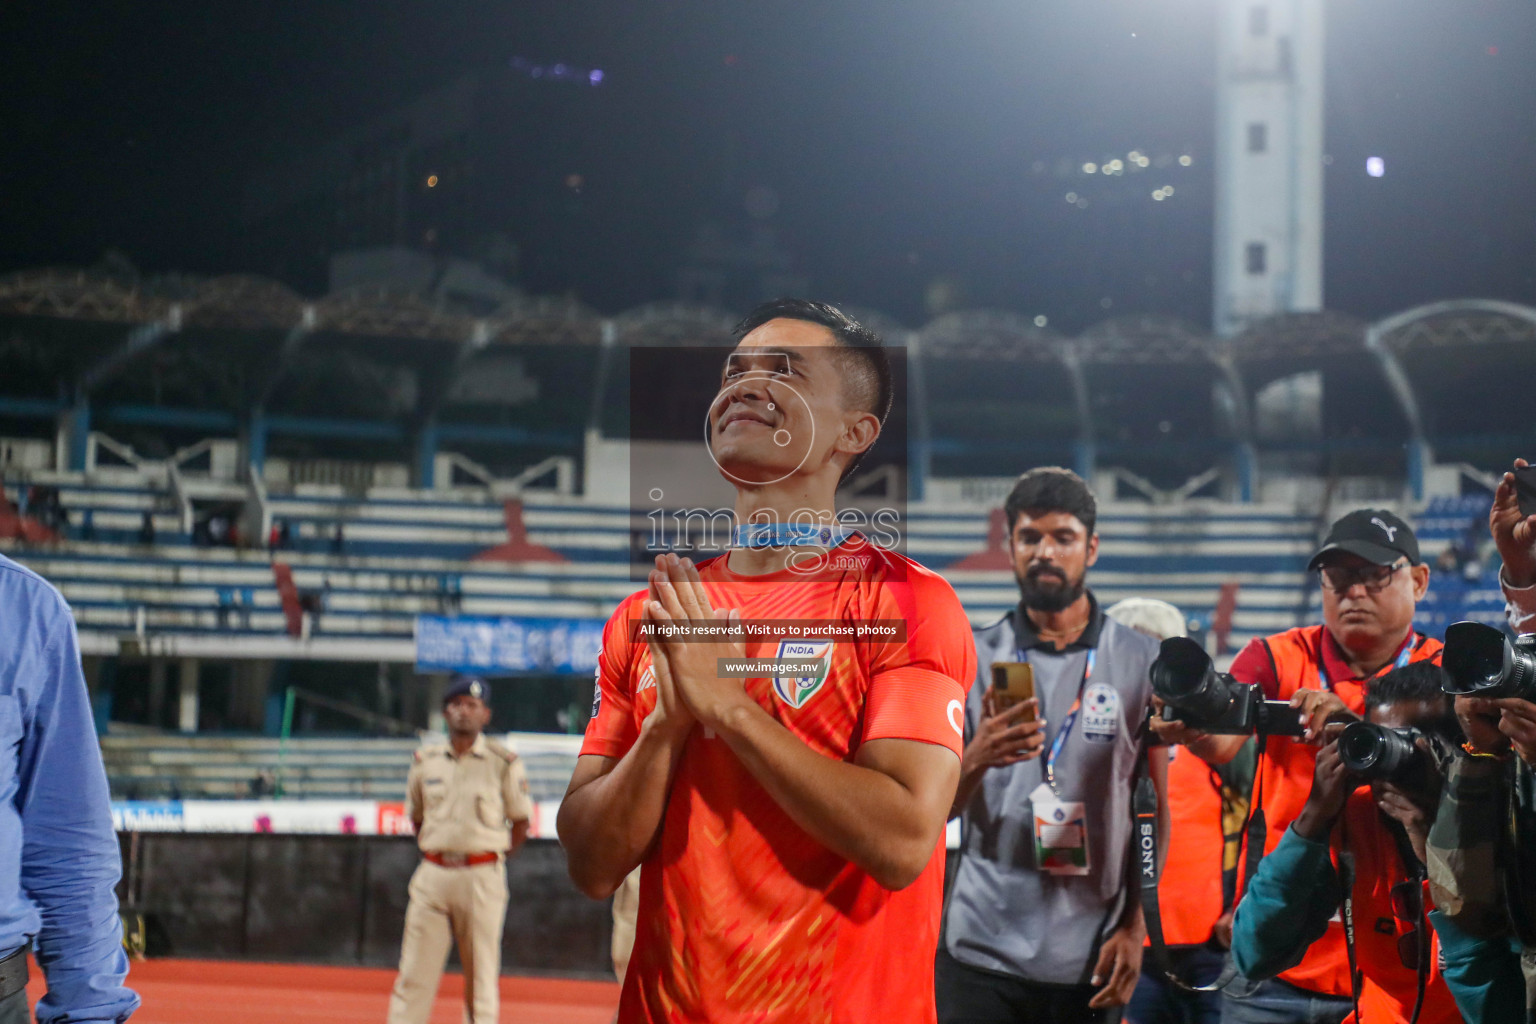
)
(744, 917)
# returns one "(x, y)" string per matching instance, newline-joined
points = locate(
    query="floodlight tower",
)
(1269, 160)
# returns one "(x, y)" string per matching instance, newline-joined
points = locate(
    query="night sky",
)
(912, 148)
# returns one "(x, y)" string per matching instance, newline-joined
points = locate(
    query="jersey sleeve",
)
(613, 729)
(514, 791)
(917, 689)
(1252, 665)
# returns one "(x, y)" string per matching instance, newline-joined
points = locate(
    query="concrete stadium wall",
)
(339, 900)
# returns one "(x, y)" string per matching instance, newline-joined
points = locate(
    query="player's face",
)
(1051, 555)
(466, 714)
(781, 409)
(1360, 617)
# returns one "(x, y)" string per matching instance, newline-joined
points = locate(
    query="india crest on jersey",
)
(796, 690)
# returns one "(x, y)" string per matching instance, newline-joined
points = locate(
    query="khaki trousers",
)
(466, 906)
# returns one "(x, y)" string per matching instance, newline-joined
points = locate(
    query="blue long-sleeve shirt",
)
(59, 861)
(1285, 908)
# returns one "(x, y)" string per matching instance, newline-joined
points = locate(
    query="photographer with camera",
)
(1481, 849)
(1195, 887)
(1042, 924)
(1379, 831)
(1372, 578)
(1512, 521)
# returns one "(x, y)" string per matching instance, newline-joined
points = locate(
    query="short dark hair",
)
(861, 353)
(1416, 681)
(1052, 489)
(865, 355)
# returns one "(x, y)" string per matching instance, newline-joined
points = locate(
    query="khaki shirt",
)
(466, 804)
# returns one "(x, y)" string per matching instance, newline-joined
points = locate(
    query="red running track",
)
(204, 991)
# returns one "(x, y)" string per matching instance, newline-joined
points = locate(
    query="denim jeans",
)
(1159, 1001)
(1275, 1002)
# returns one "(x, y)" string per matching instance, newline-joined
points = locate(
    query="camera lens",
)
(1521, 659)
(1376, 752)
(1479, 660)
(1183, 677)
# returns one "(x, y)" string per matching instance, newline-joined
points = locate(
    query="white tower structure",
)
(1269, 160)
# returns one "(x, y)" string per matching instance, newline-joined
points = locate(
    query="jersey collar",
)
(716, 569)
(1026, 639)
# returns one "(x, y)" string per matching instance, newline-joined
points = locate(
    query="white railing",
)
(563, 468)
(1159, 496)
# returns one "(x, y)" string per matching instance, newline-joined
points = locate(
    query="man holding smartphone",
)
(1042, 924)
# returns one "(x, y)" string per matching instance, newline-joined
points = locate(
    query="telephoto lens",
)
(1480, 661)
(1376, 752)
(1184, 678)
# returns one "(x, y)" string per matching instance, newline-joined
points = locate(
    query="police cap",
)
(471, 686)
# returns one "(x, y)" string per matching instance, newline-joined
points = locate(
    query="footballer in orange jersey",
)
(790, 826)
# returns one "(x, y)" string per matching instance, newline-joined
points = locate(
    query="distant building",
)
(1269, 161)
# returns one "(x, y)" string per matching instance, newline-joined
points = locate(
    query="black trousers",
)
(968, 995)
(13, 1009)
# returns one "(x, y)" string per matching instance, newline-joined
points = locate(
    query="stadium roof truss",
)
(440, 342)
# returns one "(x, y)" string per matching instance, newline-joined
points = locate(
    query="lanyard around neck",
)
(1403, 657)
(1068, 722)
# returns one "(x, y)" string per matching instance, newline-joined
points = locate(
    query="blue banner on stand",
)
(148, 816)
(492, 645)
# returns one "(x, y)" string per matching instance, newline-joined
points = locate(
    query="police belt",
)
(13, 973)
(461, 860)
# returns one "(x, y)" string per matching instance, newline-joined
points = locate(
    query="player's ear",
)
(859, 434)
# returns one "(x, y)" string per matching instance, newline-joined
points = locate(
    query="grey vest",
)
(1003, 914)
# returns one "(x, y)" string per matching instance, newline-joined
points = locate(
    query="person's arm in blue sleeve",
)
(69, 861)
(1483, 974)
(1295, 891)
(1286, 908)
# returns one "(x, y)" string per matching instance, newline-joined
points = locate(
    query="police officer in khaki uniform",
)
(469, 802)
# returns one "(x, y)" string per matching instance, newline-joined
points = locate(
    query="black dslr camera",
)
(1202, 698)
(1480, 661)
(1377, 752)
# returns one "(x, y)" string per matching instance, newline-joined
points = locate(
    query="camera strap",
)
(1255, 827)
(1347, 904)
(1417, 874)
(1421, 934)
(1144, 848)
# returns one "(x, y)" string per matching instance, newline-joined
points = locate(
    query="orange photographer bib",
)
(1306, 658)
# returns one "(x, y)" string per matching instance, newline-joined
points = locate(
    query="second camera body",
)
(1187, 682)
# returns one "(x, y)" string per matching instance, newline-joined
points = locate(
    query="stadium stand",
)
(1465, 585)
(349, 463)
(153, 766)
(404, 556)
